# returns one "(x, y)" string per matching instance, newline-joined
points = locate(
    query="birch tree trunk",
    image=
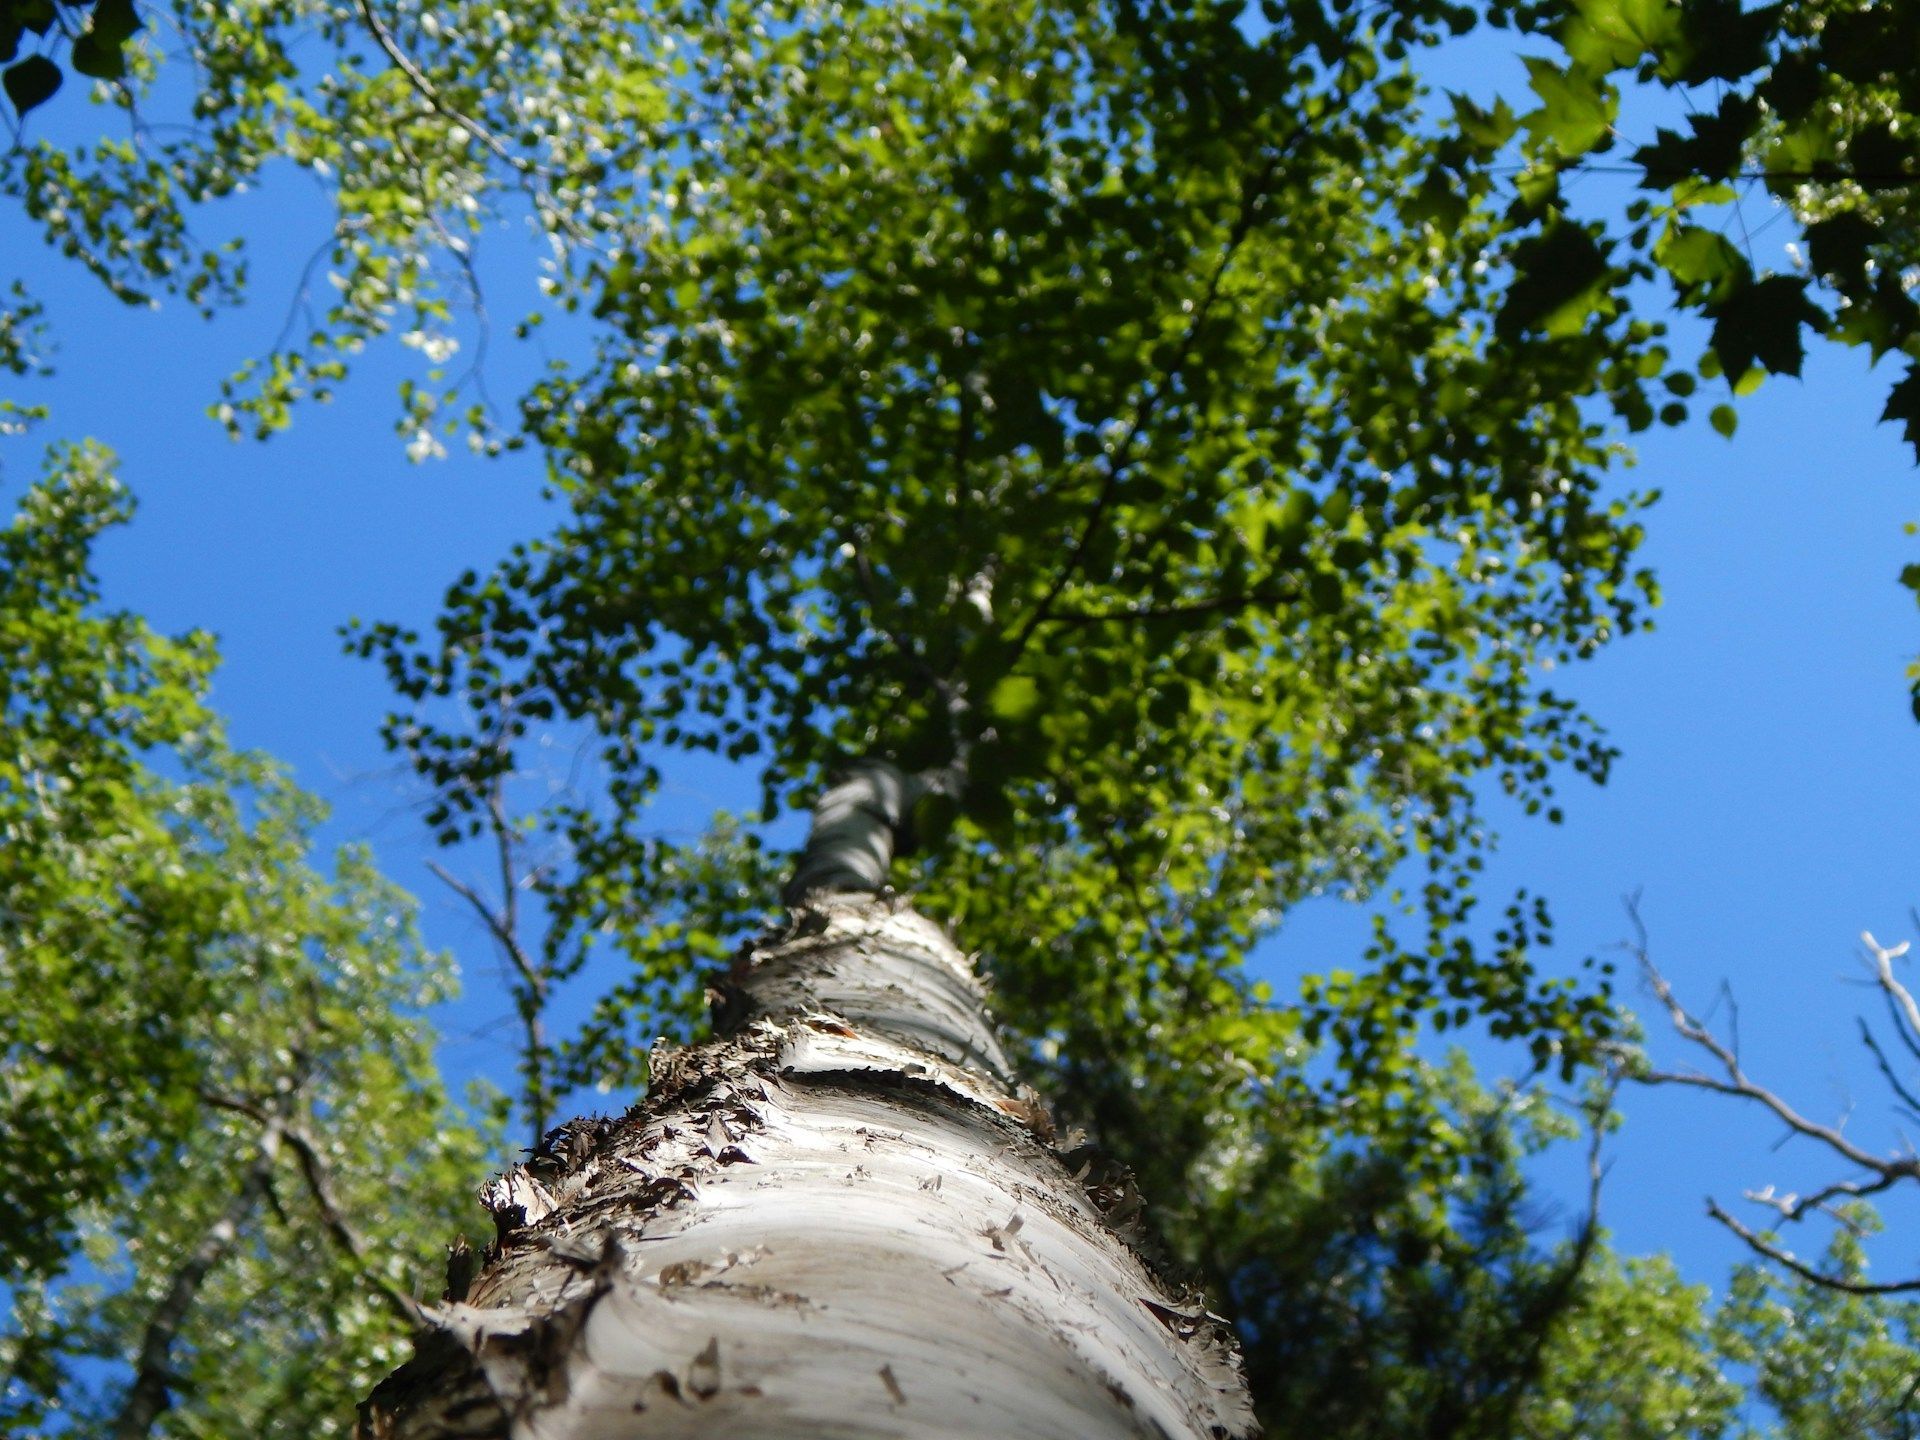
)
(842, 1217)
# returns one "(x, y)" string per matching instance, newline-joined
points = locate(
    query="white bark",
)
(843, 1218)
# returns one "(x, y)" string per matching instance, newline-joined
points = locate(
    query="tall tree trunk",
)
(843, 1216)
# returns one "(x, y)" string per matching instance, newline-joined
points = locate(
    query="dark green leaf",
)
(1725, 40)
(1762, 323)
(1903, 406)
(31, 82)
(114, 21)
(100, 59)
(1713, 151)
(1839, 246)
(1559, 277)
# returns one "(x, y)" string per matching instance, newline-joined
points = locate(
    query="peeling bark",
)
(843, 1217)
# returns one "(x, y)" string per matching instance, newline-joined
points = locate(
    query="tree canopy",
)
(211, 1063)
(1173, 415)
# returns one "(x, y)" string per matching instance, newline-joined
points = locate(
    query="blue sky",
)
(1762, 806)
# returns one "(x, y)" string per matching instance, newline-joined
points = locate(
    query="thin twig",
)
(1762, 1246)
(1882, 1172)
(417, 78)
(1120, 458)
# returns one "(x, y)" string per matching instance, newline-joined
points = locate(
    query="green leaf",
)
(1762, 323)
(1839, 246)
(934, 814)
(1577, 107)
(1615, 34)
(1702, 262)
(1723, 419)
(1903, 406)
(114, 21)
(1713, 151)
(1169, 703)
(98, 58)
(1014, 698)
(1725, 40)
(31, 82)
(1559, 280)
(1437, 201)
(1487, 130)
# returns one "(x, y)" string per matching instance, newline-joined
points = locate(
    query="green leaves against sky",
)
(198, 1023)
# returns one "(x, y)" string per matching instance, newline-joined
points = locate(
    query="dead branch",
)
(1880, 1173)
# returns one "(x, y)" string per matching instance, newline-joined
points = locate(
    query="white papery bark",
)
(842, 1218)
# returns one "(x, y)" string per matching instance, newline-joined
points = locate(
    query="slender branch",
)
(1907, 1098)
(1834, 174)
(503, 924)
(150, 1394)
(1795, 1207)
(953, 701)
(550, 213)
(317, 1174)
(1120, 458)
(1766, 1248)
(1882, 1172)
(1218, 604)
(1897, 994)
(508, 941)
(1737, 1083)
(416, 77)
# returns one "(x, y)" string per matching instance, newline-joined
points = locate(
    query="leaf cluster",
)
(210, 1047)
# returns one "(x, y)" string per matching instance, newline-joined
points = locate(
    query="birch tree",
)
(1048, 454)
(1164, 413)
(842, 1215)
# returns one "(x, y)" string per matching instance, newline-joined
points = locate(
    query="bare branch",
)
(503, 923)
(1795, 1207)
(1909, 1103)
(318, 1175)
(1737, 1083)
(1898, 996)
(1766, 1248)
(1882, 1172)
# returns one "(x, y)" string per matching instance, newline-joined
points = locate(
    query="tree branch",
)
(1882, 1172)
(150, 1394)
(1767, 1249)
(1218, 604)
(1121, 457)
(416, 77)
(531, 994)
(315, 1171)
